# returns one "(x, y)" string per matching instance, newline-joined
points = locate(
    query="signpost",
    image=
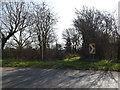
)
(92, 49)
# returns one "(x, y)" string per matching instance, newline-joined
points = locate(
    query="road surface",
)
(57, 78)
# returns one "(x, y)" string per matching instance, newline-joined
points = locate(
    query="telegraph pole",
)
(118, 56)
(119, 15)
(42, 46)
(0, 33)
(118, 42)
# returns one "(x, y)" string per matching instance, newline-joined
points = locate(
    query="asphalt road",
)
(57, 78)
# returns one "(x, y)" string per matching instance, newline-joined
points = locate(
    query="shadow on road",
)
(57, 78)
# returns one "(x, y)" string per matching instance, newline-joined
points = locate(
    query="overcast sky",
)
(65, 10)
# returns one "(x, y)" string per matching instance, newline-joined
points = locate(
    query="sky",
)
(65, 10)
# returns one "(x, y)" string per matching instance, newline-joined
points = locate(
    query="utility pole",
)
(119, 41)
(42, 45)
(118, 56)
(119, 15)
(0, 42)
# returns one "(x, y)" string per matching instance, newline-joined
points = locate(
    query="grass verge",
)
(65, 64)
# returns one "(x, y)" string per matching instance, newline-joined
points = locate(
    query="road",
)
(57, 78)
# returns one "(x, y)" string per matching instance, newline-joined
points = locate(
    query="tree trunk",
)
(4, 40)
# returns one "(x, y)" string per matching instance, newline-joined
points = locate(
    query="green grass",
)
(71, 63)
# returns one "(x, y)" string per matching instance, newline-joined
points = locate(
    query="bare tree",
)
(15, 17)
(72, 39)
(43, 27)
(95, 27)
(21, 39)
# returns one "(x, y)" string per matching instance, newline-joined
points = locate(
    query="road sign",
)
(92, 48)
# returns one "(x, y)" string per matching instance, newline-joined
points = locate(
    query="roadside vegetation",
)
(28, 34)
(71, 63)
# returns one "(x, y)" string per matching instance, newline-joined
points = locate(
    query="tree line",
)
(28, 33)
